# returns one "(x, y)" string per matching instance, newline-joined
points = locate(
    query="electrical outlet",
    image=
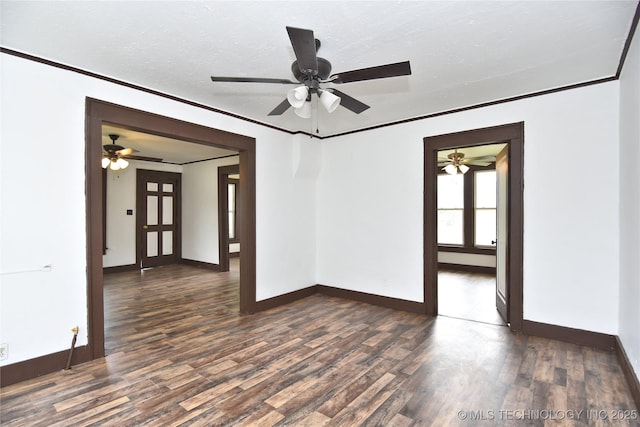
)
(4, 351)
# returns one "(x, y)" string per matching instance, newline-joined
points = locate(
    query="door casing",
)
(502, 234)
(513, 135)
(99, 112)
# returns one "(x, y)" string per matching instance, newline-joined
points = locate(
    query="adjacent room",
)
(319, 213)
(467, 191)
(165, 202)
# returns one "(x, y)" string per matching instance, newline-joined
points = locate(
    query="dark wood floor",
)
(469, 296)
(180, 354)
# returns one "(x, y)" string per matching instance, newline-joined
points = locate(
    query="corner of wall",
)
(629, 206)
(305, 157)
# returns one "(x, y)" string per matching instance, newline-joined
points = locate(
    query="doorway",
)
(99, 113)
(228, 212)
(512, 135)
(467, 213)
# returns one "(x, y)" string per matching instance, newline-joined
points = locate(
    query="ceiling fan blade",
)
(126, 152)
(378, 72)
(252, 80)
(148, 159)
(281, 108)
(477, 163)
(483, 158)
(112, 148)
(304, 46)
(349, 103)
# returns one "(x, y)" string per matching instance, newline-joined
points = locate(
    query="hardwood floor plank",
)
(270, 419)
(352, 390)
(399, 420)
(149, 369)
(466, 295)
(510, 367)
(557, 399)
(291, 392)
(357, 410)
(257, 377)
(89, 396)
(95, 414)
(544, 367)
(208, 395)
(387, 414)
(180, 354)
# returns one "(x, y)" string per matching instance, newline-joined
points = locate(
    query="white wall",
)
(369, 213)
(370, 194)
(287, 221)
(479, 260)
(629, 331)
(200, 210)
(43, 203)
(343, 212)
(121, 196)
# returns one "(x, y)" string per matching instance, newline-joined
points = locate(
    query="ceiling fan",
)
(311, 71)
(457, 162)
(114, 155)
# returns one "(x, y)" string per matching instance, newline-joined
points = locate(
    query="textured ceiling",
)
(462, 53)
(474, 151)
(164, 149)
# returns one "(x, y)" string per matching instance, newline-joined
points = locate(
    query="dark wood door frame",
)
(223, 214)
(99, 112)
(512, 134)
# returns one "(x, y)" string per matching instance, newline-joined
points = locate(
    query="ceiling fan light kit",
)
(304, 110)
(118, 164)
(329, 100)
(298, 96)
(457, 163)
(310, 71)
(454, 169)
(112, 157)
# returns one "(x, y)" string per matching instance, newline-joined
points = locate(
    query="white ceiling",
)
(474, 151)
(167, 150)
(462, 53)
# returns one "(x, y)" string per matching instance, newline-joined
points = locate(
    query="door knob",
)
(145, 227)
(493, 242)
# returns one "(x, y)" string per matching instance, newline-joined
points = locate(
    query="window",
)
(485, 208)
(451, 209)
(467, 210)
(232, 195)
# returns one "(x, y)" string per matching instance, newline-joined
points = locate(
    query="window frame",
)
(468, 216)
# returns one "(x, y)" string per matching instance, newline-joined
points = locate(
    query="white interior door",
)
(502, 219)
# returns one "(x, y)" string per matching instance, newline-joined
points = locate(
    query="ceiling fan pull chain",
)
(317, 115)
